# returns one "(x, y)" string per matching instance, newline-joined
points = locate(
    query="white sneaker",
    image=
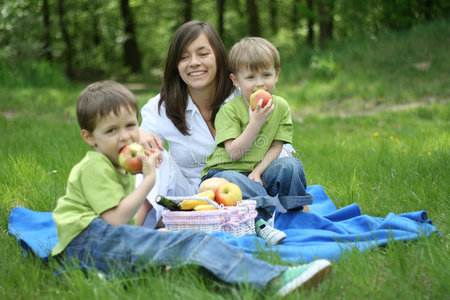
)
(271, 235)
(308, 275)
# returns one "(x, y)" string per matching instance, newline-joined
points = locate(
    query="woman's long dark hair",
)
(174, 91)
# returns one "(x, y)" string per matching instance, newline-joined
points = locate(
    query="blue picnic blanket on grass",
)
(326, 232)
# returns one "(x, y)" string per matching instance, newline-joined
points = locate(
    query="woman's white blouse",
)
(188, 151)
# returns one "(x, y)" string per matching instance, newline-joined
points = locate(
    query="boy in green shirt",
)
(249, 141)
(93, 217)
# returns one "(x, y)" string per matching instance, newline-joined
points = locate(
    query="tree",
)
(310, 22)
(253, 20)
(47, 40)
(132, 57)
(187, 10)
(95, 22)
(66, 38)
(273, 9)
(221, 11)
(295, 19)
(325, 21)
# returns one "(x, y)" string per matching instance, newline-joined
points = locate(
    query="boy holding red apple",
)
(94, 217)
(250, 132)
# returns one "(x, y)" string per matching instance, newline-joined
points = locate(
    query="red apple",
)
(129, 160)
(228, 194)
(259, 94)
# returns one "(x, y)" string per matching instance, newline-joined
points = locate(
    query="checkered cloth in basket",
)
(236, 220)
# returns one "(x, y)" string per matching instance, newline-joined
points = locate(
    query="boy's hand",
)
(151, 159)
(260, 114)
(256, 177)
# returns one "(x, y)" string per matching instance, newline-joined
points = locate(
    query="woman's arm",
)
(150, 140)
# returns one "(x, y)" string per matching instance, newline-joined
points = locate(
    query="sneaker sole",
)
(320, 269)
(273, 241)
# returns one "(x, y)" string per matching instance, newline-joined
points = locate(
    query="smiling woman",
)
(197, 66)
(196, 83)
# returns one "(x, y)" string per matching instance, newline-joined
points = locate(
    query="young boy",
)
(92, 218)
(249, 141)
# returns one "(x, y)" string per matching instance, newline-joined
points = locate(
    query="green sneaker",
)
(307, 275)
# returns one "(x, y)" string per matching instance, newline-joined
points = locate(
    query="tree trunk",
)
(187, 10)
(95, 23)
(47, 40)
(325, 22)
(66, 38)
(132, 57)
(273, 6)
(310, 23)
(294, 19)
(253, 20)
(221, 11)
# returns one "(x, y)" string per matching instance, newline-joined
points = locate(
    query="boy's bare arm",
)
(129, 205)
(236, 148)
(272, 154)
(142, 213)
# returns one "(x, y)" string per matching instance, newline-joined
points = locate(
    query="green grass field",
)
(363, 135)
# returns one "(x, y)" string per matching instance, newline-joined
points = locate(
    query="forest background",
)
(128, 39)
(369, 87)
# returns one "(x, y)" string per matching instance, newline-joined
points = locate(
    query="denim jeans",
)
(284, 177)
(113, 249)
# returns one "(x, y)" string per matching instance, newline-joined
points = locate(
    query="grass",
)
(400, 67)
(386, 161)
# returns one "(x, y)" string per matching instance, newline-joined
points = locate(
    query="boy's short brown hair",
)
(253, 53)
(101, 98)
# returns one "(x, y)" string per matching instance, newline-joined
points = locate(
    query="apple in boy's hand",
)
(259, 94)
(128, 158)
(228, 194)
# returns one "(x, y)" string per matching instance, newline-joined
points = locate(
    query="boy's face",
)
(251, 80)
(112, 133)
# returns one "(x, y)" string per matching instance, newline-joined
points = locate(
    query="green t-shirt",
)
(94, 186)
(232, 119)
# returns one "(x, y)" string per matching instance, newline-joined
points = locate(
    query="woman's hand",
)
(150, 141)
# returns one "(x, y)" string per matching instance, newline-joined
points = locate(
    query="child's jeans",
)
(113, 249)
(284, 177)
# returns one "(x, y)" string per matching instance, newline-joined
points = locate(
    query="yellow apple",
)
(228, 194)
(211, 184)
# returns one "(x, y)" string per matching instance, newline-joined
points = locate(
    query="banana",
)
(208, 194)
(205, 207)
(191, 204)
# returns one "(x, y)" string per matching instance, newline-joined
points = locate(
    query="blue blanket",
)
(326, 232)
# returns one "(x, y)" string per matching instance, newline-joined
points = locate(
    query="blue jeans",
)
(284, 177)
(112, 249)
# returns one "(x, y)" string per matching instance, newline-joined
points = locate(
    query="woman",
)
(194, 87)
(196, 83)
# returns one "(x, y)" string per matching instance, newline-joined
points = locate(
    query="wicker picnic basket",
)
(236, 220)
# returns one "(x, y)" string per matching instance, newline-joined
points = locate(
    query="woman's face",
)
(197, 65)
